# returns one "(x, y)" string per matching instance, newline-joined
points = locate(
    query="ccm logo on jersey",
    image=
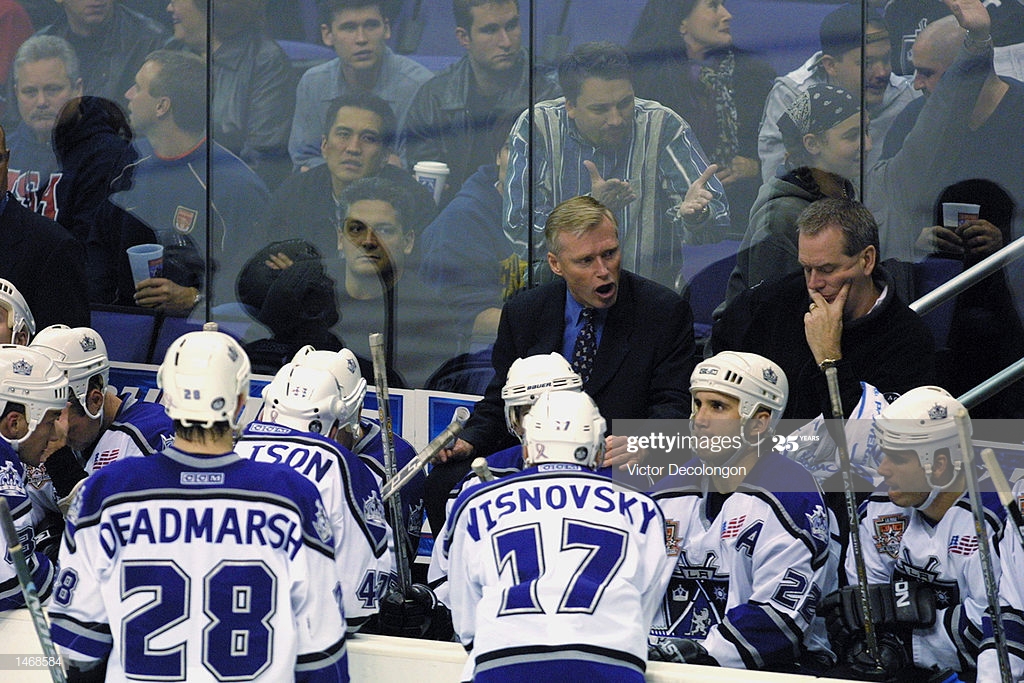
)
(261, 428)
(201, 478)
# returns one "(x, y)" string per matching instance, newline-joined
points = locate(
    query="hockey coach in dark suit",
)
(629, 338)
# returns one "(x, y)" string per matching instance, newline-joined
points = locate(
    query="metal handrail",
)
(947, 290)
(993, 385)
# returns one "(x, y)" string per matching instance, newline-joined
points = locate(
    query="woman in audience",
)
(684, 58)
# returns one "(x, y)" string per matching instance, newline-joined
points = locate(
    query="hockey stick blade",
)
(28, 589)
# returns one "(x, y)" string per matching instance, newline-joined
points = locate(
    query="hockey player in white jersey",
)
(17, 326)
(26, 426)
(750, 540)
(303, 410)
(194, 564)
(556, 571)
(528, 379)
(362, 437)
(97, 427)
(1011, 593)
(921, 550)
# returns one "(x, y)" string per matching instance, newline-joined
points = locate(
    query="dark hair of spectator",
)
(604, 60)
(328, 9)
(407, 209)
(859, 228)
(81, 116)
(179, 78)
(463, 15)
(369, 102)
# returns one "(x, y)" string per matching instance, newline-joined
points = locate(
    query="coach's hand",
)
(460, 451)
(616, 455)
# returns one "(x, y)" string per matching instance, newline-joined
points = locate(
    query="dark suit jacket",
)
(46, 264)
(643, 365)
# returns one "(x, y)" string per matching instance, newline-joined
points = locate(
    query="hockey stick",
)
(980, 528)
(426, 456)
(1005, 492)
(28, 589)
(870, 636)
(387, 437)
(481, 469)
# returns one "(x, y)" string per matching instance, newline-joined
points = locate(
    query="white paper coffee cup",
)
(433, 174)
(955, 214)
(146, 260)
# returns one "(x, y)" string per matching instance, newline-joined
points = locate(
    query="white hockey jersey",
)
(200, 568)
(555, 574)
(748, 576)
(139, 428)
(12, 487)
(903, 544)
(352, 498)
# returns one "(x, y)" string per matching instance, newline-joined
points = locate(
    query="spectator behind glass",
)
(454, 115)
(46, 75)
(468, 258)
(164, 198)
(685, 58)
(357, 135)
(375, 248)
(15, 29)
(93, 144)
(253, 86)
(111, 42)
(840, 63)
(637, 157)
(823, 137)
(358, 31)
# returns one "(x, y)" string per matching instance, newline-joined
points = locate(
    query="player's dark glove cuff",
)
(417, 614)
(679, 651)
(64, 470)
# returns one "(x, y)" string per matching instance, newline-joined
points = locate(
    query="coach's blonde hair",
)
(575, 216)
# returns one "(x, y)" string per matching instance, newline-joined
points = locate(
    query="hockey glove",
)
(417, 614)
(64, 469)
(679, 651)
(903, 603)
(891, 651)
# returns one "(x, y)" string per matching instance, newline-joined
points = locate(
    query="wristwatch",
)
(827, 363)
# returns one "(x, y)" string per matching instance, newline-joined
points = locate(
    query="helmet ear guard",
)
(30, 379)
(923, 420)
(529, 378)
(205, 379)
(19, 316)
(346, 384)
(564, 426)
(81, 354)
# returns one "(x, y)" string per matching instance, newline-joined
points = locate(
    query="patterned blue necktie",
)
(586, 345)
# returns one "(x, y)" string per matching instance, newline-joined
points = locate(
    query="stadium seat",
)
(129, 332)
(703, 279)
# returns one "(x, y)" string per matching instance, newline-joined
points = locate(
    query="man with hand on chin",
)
(630, 340)
(842, 311)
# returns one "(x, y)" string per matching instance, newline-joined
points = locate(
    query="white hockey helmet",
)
(202, 376)
(19, 317)
(315, 390)
(564, 426)
(752, 379)
(528, 378)
(80, 353)
(31, 379)
(350, 386)
(923, 420)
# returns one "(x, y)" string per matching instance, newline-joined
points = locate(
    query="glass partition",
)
(374, 167)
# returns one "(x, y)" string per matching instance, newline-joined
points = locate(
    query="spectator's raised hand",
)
(980, 238)
(738, 168)
(972, 15)
(939, 240)
(279, 262)
(613, 193)
(698, 196)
